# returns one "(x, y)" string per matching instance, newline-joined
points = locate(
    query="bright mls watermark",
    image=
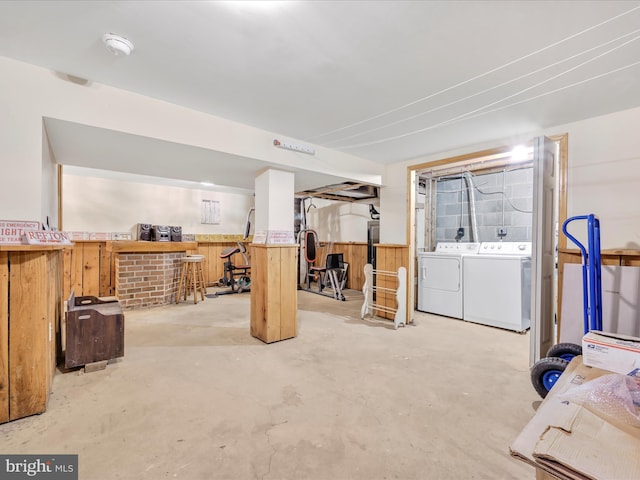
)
(50, 467)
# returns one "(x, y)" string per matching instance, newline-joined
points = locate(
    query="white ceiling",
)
(384, 80)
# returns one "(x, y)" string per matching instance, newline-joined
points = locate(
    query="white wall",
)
(29, 93)
(603, 178)
(339, 221)
(274, 201)
(49, 179)
(92, 204)
(604, 175)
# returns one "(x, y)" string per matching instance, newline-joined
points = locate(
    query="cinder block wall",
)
(491, 196)
(147, 279)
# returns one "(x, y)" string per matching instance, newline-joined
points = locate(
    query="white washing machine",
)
(440, 277)
(497, 285)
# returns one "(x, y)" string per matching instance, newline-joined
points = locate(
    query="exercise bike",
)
(235, 276)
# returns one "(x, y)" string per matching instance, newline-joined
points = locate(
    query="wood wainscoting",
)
(354, 253)
(90, 268)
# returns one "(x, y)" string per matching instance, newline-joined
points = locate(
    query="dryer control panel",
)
(506, 248)
(459, 248)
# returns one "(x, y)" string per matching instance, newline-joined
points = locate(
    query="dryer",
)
(497, 285)
(440, 278)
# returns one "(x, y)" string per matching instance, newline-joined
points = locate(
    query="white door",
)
(543, 254)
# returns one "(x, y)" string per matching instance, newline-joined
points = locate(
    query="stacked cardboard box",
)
(568, 441)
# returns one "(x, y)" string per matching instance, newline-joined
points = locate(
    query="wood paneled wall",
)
(389, 258)
(354, 253)
(89, 267)
(213, 264)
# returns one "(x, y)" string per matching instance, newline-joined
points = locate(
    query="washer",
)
(497, 285)
(440, 277)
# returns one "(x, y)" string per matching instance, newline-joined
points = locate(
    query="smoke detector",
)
(117, 44)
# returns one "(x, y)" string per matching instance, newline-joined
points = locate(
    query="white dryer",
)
(497, 285)
(440, 278)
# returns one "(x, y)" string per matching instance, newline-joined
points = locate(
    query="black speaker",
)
(160, 233)
(176, 234)
(144, 232)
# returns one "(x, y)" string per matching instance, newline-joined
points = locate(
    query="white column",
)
(274, 207)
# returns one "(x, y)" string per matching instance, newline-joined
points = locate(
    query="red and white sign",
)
(45, 237)
(280, 237)
(11, 231)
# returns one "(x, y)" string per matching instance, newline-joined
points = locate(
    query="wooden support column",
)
(274, 295)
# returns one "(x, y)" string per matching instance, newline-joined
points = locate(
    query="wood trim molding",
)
(59, 197)
(563, 165)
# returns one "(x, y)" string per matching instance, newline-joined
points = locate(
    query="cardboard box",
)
(567, 441)
(610, 351)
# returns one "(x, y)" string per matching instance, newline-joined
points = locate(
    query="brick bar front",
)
(147, 279)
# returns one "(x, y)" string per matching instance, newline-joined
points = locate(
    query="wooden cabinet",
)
(30, 311)
(274, 292)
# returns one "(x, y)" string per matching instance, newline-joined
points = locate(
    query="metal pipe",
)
(504, 194)
(472, 206)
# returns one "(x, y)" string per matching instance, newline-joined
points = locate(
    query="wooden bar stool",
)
(191, 278)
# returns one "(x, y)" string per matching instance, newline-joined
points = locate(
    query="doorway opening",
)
(483, 196)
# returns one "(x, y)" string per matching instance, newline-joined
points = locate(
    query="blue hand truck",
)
(546, 371)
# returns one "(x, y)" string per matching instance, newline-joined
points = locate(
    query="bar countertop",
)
(125, 246)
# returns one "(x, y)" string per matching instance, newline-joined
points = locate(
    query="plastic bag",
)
(614, 395)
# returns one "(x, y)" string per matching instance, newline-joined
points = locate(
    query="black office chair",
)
(333, 273)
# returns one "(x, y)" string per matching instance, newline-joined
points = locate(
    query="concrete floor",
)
(196, 397)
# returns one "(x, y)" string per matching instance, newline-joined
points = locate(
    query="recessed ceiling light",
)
(116, 44)
(207, 184)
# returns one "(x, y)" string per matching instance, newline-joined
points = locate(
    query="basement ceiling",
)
(344, 192)
(383, 80)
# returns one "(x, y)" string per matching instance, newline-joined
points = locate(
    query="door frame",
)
(412, 170)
